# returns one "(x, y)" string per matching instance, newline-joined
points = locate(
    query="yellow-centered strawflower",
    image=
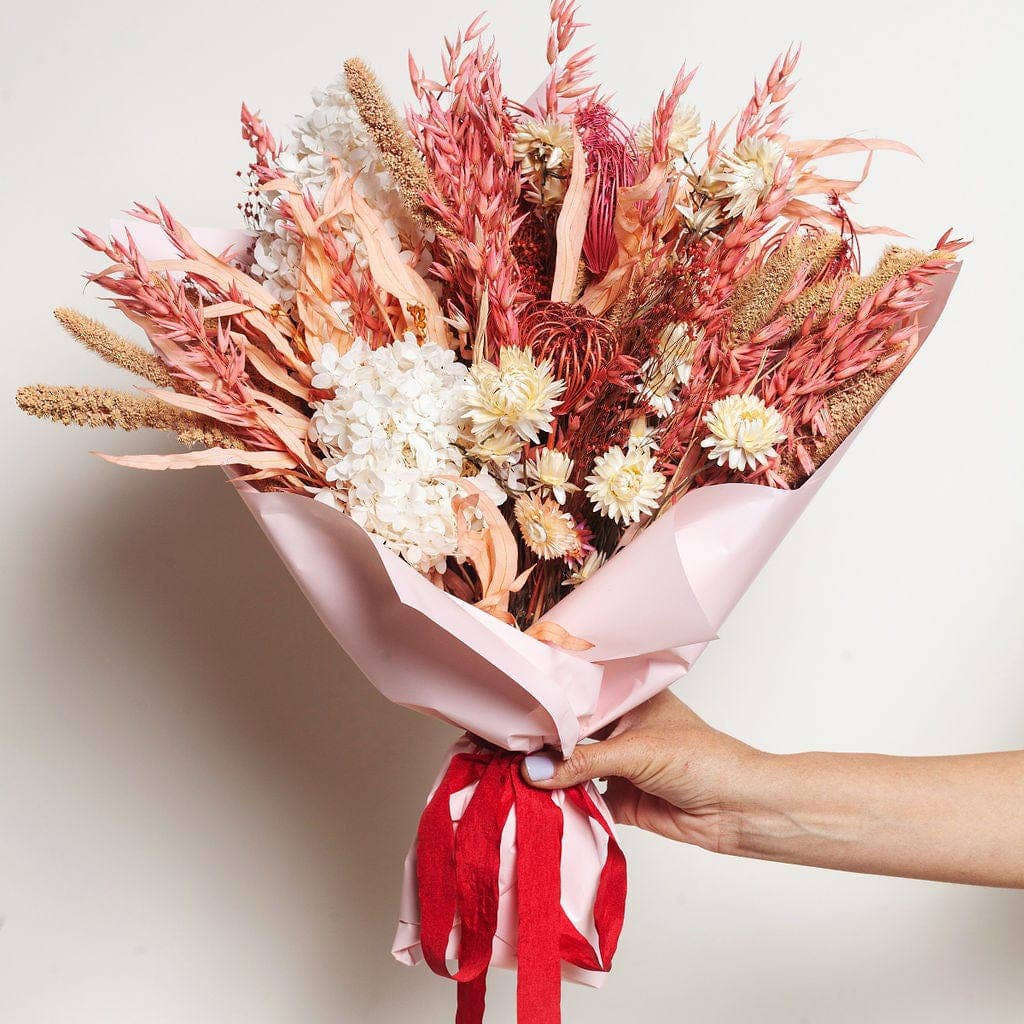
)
(743, 432)
(625, 485)
(547, 531)
(744, 177)
(549, 470)
(517, 394)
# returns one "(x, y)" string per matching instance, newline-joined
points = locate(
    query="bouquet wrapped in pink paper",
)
(524, 397)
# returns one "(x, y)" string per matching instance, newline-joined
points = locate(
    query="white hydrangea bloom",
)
(332, 129)
(388, 437)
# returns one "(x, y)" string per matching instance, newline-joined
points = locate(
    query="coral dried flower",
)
(546, 530)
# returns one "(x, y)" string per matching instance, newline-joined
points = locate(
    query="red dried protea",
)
(577, 344)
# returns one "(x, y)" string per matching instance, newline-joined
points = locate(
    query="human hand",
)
(668, 772)
(954, 819)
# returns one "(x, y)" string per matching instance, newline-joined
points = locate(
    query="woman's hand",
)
(955, 819)
(668, 772)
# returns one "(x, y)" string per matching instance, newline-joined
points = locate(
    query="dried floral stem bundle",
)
(505, 336)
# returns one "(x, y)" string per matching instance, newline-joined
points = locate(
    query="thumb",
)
(616, 756)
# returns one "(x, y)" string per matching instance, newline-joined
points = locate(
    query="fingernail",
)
(540, 767)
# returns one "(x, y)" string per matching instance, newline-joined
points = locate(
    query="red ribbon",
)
(457, 874)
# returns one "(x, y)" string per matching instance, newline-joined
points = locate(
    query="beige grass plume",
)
(104, 407)
(756, 301)
(113, 349)
(846, 408)
(397, 149)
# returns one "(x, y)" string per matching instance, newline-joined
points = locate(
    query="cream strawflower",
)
(685, 128)
(550, 470)
(590, 565)
(388, 438)
(544, 151)
(667, 369)
(502, 448)
(743, 178)
(517, 394)
(642, 434)
(546, 530)
(624, 485)
(744, 432)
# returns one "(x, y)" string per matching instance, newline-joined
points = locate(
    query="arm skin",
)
(951, 819)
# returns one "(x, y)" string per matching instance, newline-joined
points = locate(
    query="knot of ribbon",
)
(457, 876)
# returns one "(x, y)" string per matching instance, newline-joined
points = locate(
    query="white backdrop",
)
(204, 808)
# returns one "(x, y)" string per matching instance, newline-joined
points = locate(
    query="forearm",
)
(956, 819)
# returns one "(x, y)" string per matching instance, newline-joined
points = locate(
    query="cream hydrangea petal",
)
(389, 436)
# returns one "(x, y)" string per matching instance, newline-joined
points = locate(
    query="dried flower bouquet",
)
(506, 339)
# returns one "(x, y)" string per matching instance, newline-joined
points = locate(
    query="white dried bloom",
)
(701, 213)
(388, 436)
(583, 572)
(544, 151)
(333, 129)
(669, 368)
(546, 530)
(517, 394)
(740, 180)
(684, 129)
(503, 447)
(658, 387)
(744, 432)
(624, 485)
(643, 434)
(549, 470)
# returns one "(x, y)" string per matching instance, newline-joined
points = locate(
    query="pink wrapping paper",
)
(650, 612)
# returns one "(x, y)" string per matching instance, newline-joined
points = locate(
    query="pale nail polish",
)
(540, 767)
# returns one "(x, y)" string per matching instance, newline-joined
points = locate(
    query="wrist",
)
(762, 817)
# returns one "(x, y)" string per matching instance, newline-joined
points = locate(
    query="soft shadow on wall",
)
(178, 563)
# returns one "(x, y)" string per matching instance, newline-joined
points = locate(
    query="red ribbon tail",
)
(457, 874)
(538, 886)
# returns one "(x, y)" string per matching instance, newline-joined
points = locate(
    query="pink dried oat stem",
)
(465, 135)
